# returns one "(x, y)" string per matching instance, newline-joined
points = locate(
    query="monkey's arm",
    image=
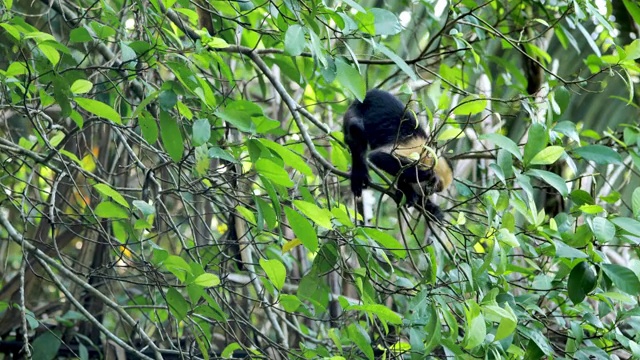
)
(357, 141)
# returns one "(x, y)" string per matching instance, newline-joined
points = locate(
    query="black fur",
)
(378, 123)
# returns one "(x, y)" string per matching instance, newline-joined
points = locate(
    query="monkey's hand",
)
(359, 180)
(427, 179)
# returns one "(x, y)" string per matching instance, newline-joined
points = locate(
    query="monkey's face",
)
(428, 185)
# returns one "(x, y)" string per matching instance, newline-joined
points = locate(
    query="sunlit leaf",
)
(318, 215)
(81, 86)
(303, 229)
(207, 280)
(276, 272)
(294, 40)
(99, 109)
(107, 191)
(470, 105)
(547, 156)
(111, 210)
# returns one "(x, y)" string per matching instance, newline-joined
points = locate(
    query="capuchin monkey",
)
(398, 145)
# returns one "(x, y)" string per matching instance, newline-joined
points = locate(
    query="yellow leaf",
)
(126, 252)
(290, 245)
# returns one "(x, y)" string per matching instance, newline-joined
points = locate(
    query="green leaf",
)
(536, 142)
(623, 278)
(276, 272)
(290, 303)
(366, 22)
(547, 156)
(313, 288)
(294, 40)
(202, 162)
(342, 217)
(565, 251)
(99, 109)
(246, 214)
(359, 336)
(302, 229)
(470, 105)
(538, 339)
(599, 154)
(506, 318)
(201, 131)
(273, 172)
(144, 207)
(634, 9)
(207, 280)
(178, 306)
(46, 346)
(11, 30)
(397, 60)
(635, 202)
(629, 225)
(318, 215)
(144, 103)
(386, 22)
(107, 191)
(266, 210)
(167, 99)
(603, 229)
(229, 349)
(238, 118)
(506, 237)
(507, 325)
(148, 128)
(177, 266)
(581, 197)
(381, 311)
(171, 136)
(475, 327)
(80, 35)
(635, 349)
(50, 52)
(349, 77)
(219, 153)
(216, 42)
(289, 157)
(128, 57)
(81, 86)
(567, 128)
(632, 50)
(552, 179)
(582, 280)
(111, 210)
(433, 329)
(503, 142)
(387, 241)
(355, 5)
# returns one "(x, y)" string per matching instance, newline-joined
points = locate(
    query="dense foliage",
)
(176, 192)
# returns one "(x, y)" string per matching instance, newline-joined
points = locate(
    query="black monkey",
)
(398, 145)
